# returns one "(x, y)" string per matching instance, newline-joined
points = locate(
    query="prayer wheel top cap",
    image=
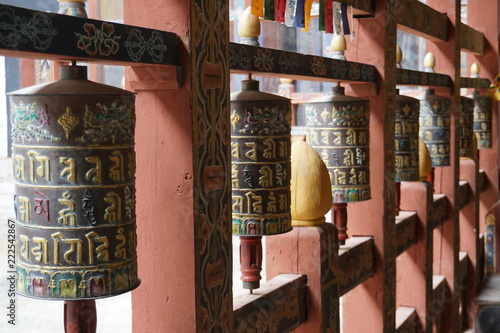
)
(250, 92)
(73, 82)
(249, 24)
(337, 95)
(310, 186)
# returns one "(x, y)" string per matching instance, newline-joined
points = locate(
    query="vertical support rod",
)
(251, 261)
(397, 197)
(80, 316)
(339, 218)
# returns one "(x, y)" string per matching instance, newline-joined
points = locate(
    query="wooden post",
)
(446, 237)
(376, 216)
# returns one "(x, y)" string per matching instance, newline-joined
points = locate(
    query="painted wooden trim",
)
(356, 262)
(407, 77)
(421, 20)
(471, 40)
(279, 305)
(439, 292)
(477, 83)
(481, 181)
(34, 34)
(245, 59)
(406, 231)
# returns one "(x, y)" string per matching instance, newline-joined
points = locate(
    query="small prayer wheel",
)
(260, 172)
(465, 128)
(338, 129)
(74, 174)
(482, 113)
(435, 127)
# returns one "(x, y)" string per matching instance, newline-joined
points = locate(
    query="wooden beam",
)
(356, 262)
(406, 77)
(246, 59)
(406, 317)
(439, 210)
(421, 20)
(361, 8)
(471, 40)
(463, 194)
(40, 35)
(280, 302)
(406, 231)
(438, 294)
(477, 83)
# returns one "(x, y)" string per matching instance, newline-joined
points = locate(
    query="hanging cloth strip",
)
(291, 7)
(279, 10)
(345, 21)
(269, 10)
(307, 14)
(337, 18)
(328, 17)
(299, 15)
(321, 18)
(258, 8)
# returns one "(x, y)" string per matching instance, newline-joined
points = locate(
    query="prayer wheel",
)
(406, 135)
(74, 172)
(465, 128)
(435, 127)
(337, 127)
(260, 172)
(482, 119)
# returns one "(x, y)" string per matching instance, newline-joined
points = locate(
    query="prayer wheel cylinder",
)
(406, 135)
(337, 127)
(260, 157)
(74, 172)
(465, 128)
(482, 119)
(435, 127)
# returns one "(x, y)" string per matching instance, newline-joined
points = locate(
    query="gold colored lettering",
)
(67, 216)
(340, 177)
(116, 171)
(257, 205)
(351, 137)
(24, 209)
(252, 153)
(348, 157)
(113, 213)
(338, 138)
(353, 180)
(75, 245)
(41, 252)
(70, 170)
(94, 174)
(20, 168)
(24, 251)
(235, 150)
(270, 150)
(271, 203)
(43, 170)
(266, 180)
(283, 150)
(102, 250)
(313, 137)
(324, 137)
(238, 204)
(121, 251)
(283, 201)
(362, 177)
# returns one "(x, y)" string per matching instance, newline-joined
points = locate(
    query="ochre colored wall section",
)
(165, 300)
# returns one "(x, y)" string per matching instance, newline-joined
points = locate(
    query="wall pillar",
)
(183, 188)
(376, 216)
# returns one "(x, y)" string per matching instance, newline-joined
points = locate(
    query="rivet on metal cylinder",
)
(338, 129)
(260, 173)
(74, 174)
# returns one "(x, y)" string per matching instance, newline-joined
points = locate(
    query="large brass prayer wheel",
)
(482, 119)
(74, 172)
(406, 137)
(465, 128)
(260, 162)
(338, 129)
(435, 127)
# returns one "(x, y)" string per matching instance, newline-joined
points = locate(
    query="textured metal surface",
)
(406, 136)
(74, 172)
(465, 128)
(338, 129)
(482, 120)
(260, 157)
(435, 127)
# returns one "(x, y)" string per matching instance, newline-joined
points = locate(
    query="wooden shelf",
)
(405, 319)
(481, 181)
(477, 83)
(463, 193)
(463, 259)
(421, 20)
(245, 59)
(287, 313)
(471, 40)
(438, 294)
(406, 231)
(406, 77)
(439, 210)
(356, 262)
(66, 38)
